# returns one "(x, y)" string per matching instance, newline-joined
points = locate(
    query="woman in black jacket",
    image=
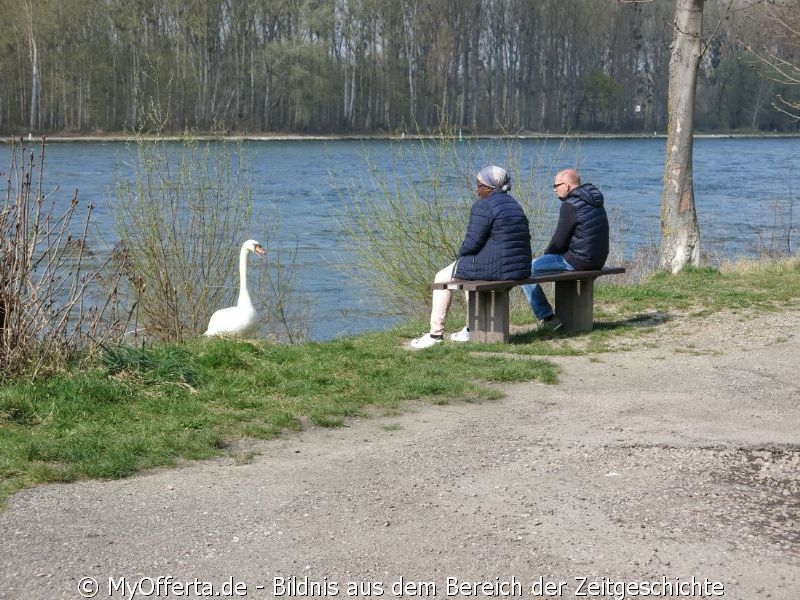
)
(497, 246)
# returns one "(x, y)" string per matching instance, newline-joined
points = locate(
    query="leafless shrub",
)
(777, 240)
(404, 230)
(57, 297)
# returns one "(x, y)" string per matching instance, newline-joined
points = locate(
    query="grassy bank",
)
(133, 409)
(140, 408)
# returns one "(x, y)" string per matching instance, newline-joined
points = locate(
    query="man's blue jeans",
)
(533, 292)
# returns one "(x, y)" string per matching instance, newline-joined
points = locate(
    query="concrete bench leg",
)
(575, 305)
(488, 316)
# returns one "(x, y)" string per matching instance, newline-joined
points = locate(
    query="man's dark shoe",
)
(551, 324)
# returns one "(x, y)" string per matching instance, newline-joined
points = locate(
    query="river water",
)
(745, 189)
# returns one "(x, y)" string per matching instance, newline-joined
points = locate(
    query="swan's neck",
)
(244, 295)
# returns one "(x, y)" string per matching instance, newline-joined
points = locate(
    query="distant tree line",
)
(317, 66)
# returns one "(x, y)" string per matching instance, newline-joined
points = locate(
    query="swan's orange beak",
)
(259, 249)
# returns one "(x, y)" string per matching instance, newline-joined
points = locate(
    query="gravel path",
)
(674, 462)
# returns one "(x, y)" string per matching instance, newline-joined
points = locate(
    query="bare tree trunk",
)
(410, 44)
(34, 49)
(680, 233)
(34, 84)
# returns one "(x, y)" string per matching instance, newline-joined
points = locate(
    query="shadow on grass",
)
(638, 321)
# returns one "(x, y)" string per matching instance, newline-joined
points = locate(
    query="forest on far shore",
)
(371, 66)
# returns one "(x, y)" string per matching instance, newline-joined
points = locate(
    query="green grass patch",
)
(137, 408)
(759, 285)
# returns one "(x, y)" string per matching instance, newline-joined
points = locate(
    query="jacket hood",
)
(589, 194)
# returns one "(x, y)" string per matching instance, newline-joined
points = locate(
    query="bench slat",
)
(478, 285)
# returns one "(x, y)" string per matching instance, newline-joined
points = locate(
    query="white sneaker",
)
(461, 336)
(426, 341)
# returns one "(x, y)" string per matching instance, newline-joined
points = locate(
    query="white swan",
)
(239, 319)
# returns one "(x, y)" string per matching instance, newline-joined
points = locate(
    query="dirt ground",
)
(668, 469)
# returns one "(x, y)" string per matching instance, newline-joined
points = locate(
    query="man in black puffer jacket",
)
(497, 246)
(580, 241)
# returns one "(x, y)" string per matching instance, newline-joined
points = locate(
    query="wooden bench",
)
(488, 301)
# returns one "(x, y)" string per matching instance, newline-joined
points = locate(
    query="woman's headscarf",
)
(495, 177)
